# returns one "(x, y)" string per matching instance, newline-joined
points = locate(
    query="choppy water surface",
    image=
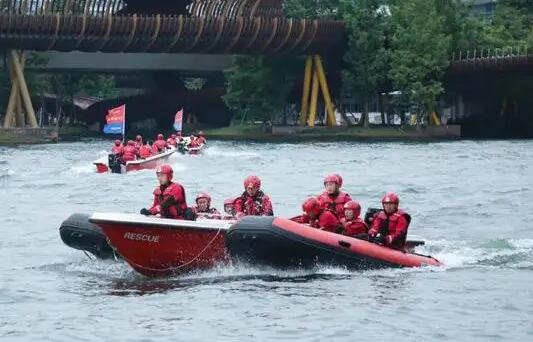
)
(471, 201)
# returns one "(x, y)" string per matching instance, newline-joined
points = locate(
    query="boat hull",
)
(160, 247)
(149, 163)
(283, 243)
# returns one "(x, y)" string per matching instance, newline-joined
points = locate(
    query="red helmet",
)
(252, 181)
(355, 206)
(173, 136)
(204, 195)
(166, 170)
(201, 133)
(131, 142)
(117, 142)
(340, 179)
(229, 201)
(332, 178)
(160, 136)
(390, 197)
(311, 205)
(138, 138)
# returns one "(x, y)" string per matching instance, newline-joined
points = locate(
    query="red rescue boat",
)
(106, 164)
(157, 246)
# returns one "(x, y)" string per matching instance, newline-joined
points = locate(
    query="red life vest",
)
(160, 144)
(354, 227)
(117, 149)
(393, 227)
(334, 203)
(326, 220)
(169, 201)
(129, 153)
(258, 205)
(145, 151)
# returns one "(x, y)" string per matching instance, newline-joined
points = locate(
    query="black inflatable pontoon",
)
(283, 243)
(78, 233)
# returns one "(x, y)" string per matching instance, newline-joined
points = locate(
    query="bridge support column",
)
(19, 108)
(313, 66)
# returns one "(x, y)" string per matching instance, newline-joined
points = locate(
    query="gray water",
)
(471, 201)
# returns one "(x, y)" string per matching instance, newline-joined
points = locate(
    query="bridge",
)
(222, 27)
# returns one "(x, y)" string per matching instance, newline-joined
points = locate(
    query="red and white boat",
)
(156, 246)
(150, 163)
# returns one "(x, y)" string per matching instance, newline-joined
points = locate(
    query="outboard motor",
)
(369, 216)
(115, 163)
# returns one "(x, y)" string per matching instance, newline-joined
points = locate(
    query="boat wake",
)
(214, 151)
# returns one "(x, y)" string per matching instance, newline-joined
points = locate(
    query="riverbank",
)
(297, 133)
(32, 136)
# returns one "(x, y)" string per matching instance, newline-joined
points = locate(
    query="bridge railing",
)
(43, 7)
(492, 53)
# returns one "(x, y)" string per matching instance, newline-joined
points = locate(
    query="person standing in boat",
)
(253, 201)
(169, 197)
(333, 198)
(203, 206)
(353, 225)
(145, 151)
(390, 225)
(130, 153)
(160, 143)
(316, 216)
(193, 142)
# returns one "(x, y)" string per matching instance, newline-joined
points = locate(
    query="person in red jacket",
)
(169, 197)
(353, 225)
(138, 141)
(129, 152)
(390, 225)
(332, 198)
(203, 206)
(193, 142)
(155, 150)
(145, 151)
(229, 207)
(160, 143)
(118, 148)
(253, 201)
(201, 138)
(316, 216)
(171, 142)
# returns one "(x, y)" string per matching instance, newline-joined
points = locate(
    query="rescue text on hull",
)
(157, 246)
(283, 243)
(111, 164)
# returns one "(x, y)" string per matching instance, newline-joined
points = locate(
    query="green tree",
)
(257, 87)
(420, 52)
(312, 9)
(367, 57)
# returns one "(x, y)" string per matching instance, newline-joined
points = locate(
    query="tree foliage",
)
(367, 56)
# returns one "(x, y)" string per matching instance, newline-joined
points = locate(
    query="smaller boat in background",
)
(113, 164)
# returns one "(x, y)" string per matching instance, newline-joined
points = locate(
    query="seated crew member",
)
(129, 152)
(169, 197)
(154, 150)
(118, 148)
(353, 225)
(138, 141)
(253, 201)
(171, 141)
(201, 138)
(318, 217)
(145, 150)
(203, 206)
(229, 207)
(390, 225)
(160, 143)
(193, 142)
(332, 198)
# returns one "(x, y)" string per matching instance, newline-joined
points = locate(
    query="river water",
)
(470, 200)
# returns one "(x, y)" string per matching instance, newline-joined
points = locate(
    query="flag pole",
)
(124, 126)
